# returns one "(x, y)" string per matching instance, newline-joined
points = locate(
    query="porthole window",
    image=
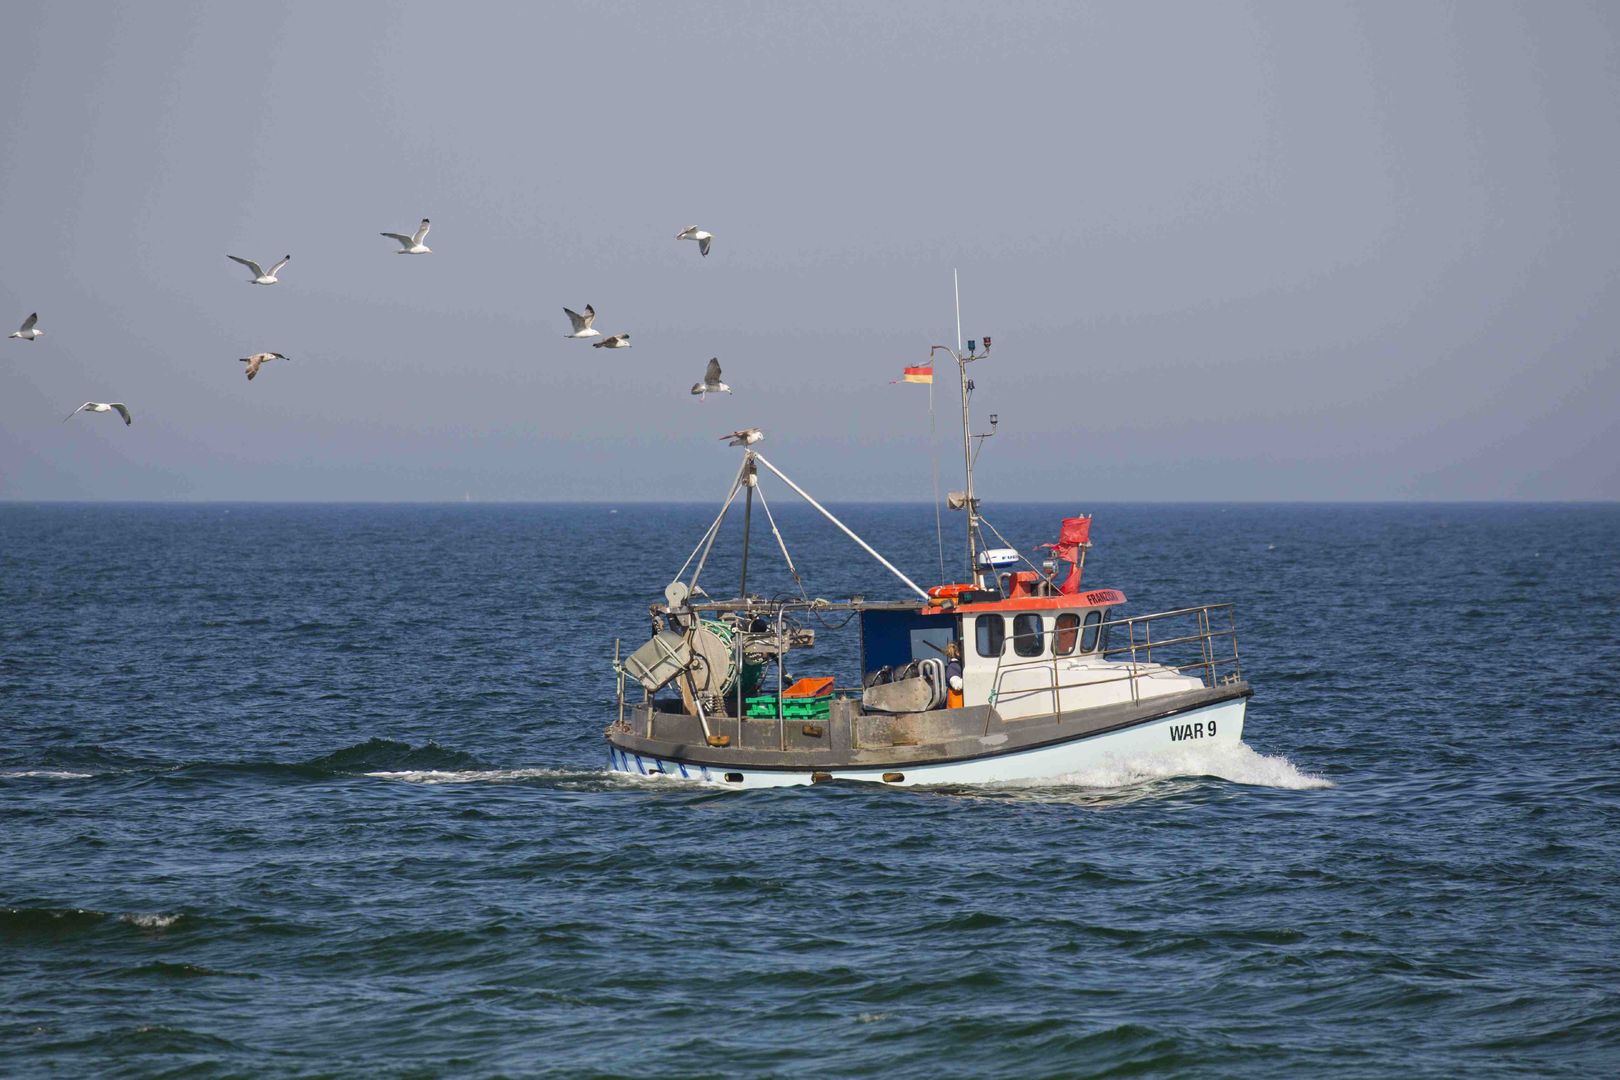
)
(1066, 634)
(1088, 641)
(989, 633)
(1028, 636)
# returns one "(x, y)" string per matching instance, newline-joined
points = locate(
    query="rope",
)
(714, 531)
(713, 525)
(781, 543)
(933, 447)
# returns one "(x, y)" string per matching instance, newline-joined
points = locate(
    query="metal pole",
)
(845, 529)
(956, 287)
(748, 520)
(619, 671)
(967, 459)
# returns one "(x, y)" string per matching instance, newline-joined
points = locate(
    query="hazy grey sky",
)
(1226, 251)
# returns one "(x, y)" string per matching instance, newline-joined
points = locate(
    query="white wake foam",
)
(45, 774)
(468, 776)
(150, 920)
(1239, 764)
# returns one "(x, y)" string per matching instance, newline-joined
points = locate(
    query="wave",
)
(38, 922)
(386, 754)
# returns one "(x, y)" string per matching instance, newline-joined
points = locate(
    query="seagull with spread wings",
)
(582, 323)
(101, 406)
(711, 383)
(258, 358)
(692, 232)
(412, 245)
(27, 331)
(259, 276)
(617, 341)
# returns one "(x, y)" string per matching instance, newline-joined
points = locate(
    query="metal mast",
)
(970, 504)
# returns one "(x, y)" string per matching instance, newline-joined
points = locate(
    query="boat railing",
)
(1202, 641)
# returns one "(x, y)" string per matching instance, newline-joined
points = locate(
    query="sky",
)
(1276, 251)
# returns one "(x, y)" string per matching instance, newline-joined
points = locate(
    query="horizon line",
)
(7, 501)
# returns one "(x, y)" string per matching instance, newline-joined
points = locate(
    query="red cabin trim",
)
(1088, 599)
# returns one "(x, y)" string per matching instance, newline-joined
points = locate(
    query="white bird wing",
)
(686, 233)
(28, 323)
(258, 271)
(276, 269)
(712, 373)
(80, 409)
(400, 238)
(703, 244)
(123, 410)
(421, 233)
(581, 322)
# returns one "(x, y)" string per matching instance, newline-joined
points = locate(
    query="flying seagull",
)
(582, 323)
(259, 276)
(692, 232)
(100, 406)
(711, 383)
(258, 358)
(747, 436)
(412, 245)
(617, 341)
(27, 332)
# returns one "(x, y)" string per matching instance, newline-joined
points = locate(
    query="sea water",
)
(322, 790)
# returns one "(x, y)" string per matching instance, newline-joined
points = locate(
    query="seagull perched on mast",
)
(412, 245)
(617, 341)
(258, 358)
(27, 332)
(711, 383)
(582, 323)
(100, 406)
(692, 232)
(259, 276)
(747, 436)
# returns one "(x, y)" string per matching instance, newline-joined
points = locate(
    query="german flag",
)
(916, 375)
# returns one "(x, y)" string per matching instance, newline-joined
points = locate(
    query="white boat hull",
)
(1220, 724)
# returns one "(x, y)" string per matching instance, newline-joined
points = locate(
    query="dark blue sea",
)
(321, 791)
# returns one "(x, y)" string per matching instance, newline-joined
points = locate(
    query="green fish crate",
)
(808, 708)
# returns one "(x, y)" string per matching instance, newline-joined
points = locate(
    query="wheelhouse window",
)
(1028, 638)
(989, 634)
(1088, 640)
(1066, 634)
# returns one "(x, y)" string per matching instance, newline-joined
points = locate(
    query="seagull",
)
(711, 383)
(617, 341)
(582, 323)
(412, 245)
(27, 332)
(692, 232)
(747, 436)
(259, 276)
(100, 406)
(258, 358)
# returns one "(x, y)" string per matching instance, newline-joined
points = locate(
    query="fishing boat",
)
(1012, 674)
